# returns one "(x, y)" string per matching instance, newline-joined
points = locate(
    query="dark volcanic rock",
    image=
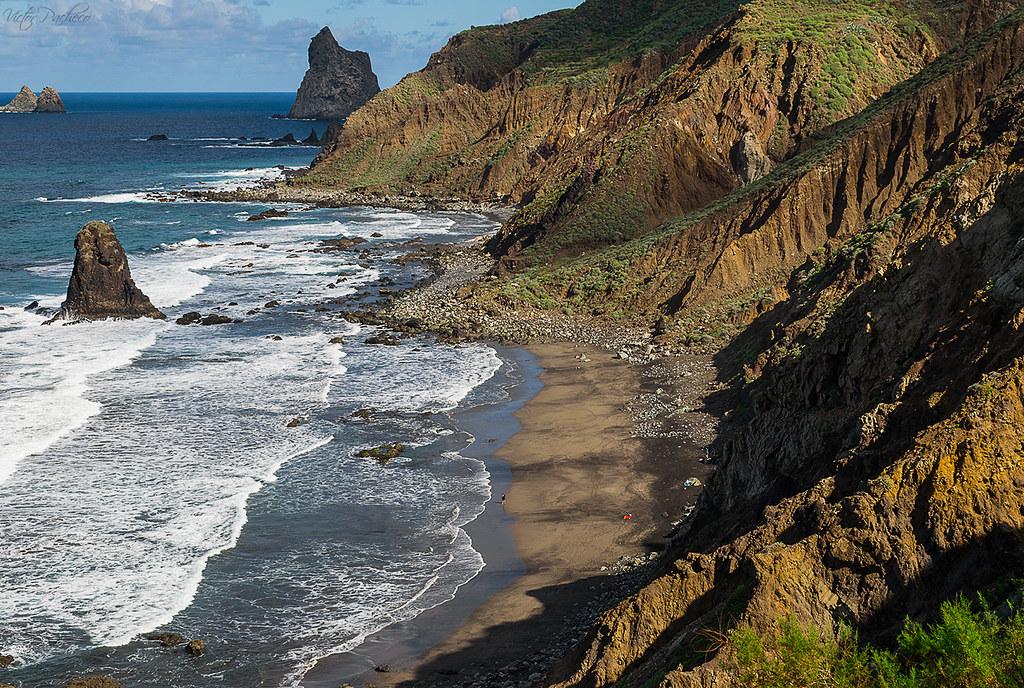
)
(157, 137)
(190, 318)
(214, 319)
(25, 101)
(267, 214)
(49, 101)
(93, 682)
(286, 140)
(166, 639)
(340, 244)
(101, 284)
(337, 83)
(312, 139)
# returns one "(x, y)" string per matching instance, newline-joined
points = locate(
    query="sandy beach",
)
(584, 492)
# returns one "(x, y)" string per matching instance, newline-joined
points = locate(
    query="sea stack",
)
(337, 83)
(101, 284)
(49, 101)
(25, 101)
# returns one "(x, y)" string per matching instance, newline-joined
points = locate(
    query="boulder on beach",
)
(25, 101)
(337, 83)
(101, 285)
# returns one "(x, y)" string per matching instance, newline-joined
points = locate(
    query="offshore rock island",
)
(101, 285)
(337, 83)
(822, 199)
(48, 100)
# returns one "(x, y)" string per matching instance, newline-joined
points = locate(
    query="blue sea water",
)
(151, 475)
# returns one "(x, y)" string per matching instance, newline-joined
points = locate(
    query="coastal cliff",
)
(337, 83)
(827, 198)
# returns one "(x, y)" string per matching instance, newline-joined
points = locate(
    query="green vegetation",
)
(382, 454)
(601, 33)
(590, 278)
(969, 646)
(852, 38)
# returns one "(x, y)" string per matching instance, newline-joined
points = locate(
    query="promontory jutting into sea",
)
(630, 343)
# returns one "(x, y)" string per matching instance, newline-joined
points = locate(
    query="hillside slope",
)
(607, 120)
(873, 465)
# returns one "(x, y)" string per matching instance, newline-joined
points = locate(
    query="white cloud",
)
(510, 14)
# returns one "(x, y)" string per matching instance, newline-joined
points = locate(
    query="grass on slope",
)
(588, 281)
(970, 646)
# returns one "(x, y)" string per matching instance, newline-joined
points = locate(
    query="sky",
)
(224, 45)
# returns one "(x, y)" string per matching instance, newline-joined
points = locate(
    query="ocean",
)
(151, 475)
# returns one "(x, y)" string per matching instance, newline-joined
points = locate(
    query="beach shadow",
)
(520, 649)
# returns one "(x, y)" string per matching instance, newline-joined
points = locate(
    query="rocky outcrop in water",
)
(337, 83)
(101, 284)
(49, 101)
(25, 101)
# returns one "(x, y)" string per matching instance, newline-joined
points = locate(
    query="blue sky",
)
(224, 45)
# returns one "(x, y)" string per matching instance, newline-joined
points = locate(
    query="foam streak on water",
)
(151, 474)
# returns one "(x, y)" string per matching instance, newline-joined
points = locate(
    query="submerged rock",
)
(49, 101)
(267, 214)
(25, 101)
(382, 454)
(157, 137)
(101, 283)
(196, 647)
(166, 639)
(337, 83)
(93, 682)
(286, 140)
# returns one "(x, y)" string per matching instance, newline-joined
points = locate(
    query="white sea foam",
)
(46, 370)
(172, 430)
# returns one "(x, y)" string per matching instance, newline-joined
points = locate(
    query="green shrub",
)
(970, 646)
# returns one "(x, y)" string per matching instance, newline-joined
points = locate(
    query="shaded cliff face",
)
(25, 101)
(101, 283)
(873, 464)
(49, 101)
(337, 83)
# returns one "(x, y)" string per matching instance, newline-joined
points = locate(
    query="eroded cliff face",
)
(873, 464)
(601, 144)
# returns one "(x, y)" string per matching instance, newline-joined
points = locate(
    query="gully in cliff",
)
(101, 284)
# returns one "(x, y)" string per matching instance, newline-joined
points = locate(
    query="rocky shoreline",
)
(277, 192)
